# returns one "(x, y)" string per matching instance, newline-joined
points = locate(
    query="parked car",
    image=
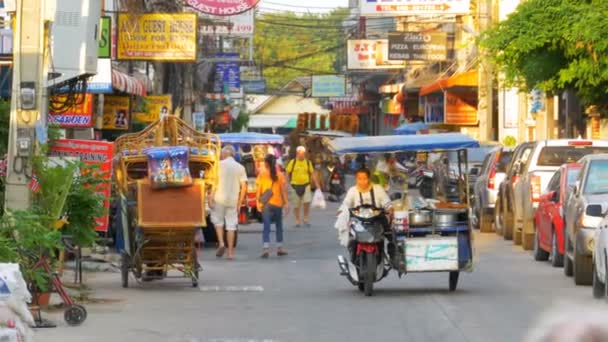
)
(549, 240)
(504, 201)
(546, 158)
(583, 216)
(485, 189)
(600, 261)
(446, 171)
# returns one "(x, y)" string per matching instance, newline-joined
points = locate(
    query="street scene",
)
(334, 170)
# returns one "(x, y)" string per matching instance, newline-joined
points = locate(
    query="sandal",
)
(281, 253)
(220, 251)
(265, 254)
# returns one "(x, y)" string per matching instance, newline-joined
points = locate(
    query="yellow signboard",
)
(157, 106)
(157, 37)
(116, 112)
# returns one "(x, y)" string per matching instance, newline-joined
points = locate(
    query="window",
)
(558, 155)
(554, 182)
(503, 161)
(571, 176)
(597, 178)
(486, 164)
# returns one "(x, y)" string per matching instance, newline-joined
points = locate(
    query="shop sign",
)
(95, 153)
(434, 108)
(250, 73)
(157, 106)
(234, 25)
(392, 8)
(227, 77)
(105, 38)
(328, 85)
(199, 120)
(254, 87)
(116, 112)
(157, 37)
(417, 46)
(370, 54)
(78, 115)
(222, 7)
(461, 108)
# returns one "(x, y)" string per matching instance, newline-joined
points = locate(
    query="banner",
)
(91, 152)
(417, 46)
(328, 85)
(222, 7)
(79, 115)
(157, 37)
(370, 54)
(461, 108)
(105, 38)
(234, 25)
(393, 8)
(156, 106)
(116, 112)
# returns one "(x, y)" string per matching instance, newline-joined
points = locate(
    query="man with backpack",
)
(301, 175)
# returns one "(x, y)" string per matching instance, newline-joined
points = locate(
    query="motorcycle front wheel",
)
(368, 272)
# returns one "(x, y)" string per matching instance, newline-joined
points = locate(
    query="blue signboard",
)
(254, 87)
(227, 75)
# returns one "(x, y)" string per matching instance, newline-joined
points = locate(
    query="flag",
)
(34, 184)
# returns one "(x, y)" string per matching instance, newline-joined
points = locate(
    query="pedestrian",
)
(301, 175)
(227, 200)
(271, 201)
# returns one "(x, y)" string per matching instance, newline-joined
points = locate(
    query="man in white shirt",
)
(227, 200)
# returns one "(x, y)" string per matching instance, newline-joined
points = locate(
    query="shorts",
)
(225, 216)
(306, 198)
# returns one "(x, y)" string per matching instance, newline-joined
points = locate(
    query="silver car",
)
(485, 189)
(584, 215)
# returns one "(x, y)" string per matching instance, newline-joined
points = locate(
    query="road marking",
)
(231, 288)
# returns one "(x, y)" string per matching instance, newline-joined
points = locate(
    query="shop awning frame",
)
(128, 84)
(467, 79)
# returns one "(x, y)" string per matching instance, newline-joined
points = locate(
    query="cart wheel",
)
(454, 280)
(124, 269)
(195, 268)
(75, 314)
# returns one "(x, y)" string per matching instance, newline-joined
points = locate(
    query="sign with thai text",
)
(370, 54)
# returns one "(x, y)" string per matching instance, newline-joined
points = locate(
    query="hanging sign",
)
(393, 8)
(222, 7)
(417, 46)
(78, 115)
(116, 112)
(105, 38)
(95, 153)
(328, 85)
(234, 25)
(370, 54)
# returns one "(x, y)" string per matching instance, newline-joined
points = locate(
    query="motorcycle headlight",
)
(358, 227)
(590, 221)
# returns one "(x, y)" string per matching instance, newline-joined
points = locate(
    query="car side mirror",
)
(594, 210)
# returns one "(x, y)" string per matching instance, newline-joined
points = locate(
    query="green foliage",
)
(554, 45)
(24, 238)
(289, 45)
(241, 121)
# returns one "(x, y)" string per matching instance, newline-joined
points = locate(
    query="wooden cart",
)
(159, 226)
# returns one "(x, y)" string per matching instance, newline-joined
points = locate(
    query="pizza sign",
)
(222, 7)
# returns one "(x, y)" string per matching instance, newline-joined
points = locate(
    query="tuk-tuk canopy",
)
(251, 138)
(403, 143)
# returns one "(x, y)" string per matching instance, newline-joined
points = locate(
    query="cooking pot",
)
(450, 217)
(420, 217)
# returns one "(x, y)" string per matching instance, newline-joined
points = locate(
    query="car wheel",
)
(539, 253)
(557, 260)
(583, 268)
(507, 226)
(485, 223)
(568, 266)
(498, 226)
(599, 288)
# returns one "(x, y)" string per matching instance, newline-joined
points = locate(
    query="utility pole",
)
(486, 78)
(27, 100)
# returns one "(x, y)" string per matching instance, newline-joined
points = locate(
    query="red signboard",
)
(222, 7)
(91, 152)
(78, 115)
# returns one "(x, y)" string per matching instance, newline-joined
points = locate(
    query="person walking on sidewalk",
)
(301, 174)
(271, 200)
(227, 200)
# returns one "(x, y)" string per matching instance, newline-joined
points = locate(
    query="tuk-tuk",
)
(425, 235)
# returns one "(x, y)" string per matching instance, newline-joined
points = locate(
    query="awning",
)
(411, 128)
(270, 120)
(465, 80)
(128, 84)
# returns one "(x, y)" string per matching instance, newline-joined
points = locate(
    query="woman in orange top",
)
(270, 179)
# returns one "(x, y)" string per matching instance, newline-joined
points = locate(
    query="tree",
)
(554, 45)
(290, 45)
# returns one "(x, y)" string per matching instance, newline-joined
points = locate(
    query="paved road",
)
(302, 298)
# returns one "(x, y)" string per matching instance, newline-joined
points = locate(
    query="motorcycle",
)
(366, 248)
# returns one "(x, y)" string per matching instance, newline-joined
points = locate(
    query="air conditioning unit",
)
(74, 40)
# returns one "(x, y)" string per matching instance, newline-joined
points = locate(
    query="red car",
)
(549, 240)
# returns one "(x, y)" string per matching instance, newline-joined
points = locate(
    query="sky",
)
(302, 6)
